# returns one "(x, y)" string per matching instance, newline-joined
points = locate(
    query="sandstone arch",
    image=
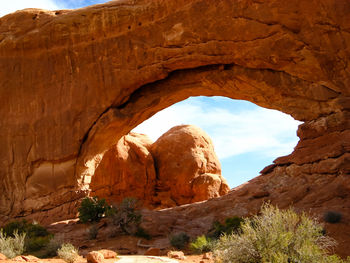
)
(74, 81)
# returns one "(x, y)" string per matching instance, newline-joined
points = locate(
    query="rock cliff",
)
(73, 82)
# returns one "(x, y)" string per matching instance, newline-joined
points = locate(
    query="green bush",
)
(180, 240)
(92, 209)
(12, 246)
(231, 225)
(276, 236)
(52, 246)
(18, 226)
(68, 253)
(36, 243)
(36, 236)
(202, 244)
(125, 216)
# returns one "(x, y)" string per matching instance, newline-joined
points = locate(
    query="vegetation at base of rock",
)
(141, 232)
(180, 240)
(332, 217)
(92, 209)
(202, 244)
(276, 236)
(125, 216)
(231, 225)
(36, 236)
(12, 246)
(93, 231)
(52, 247)
(68, 252)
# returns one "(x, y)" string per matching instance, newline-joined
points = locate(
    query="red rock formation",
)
(181, 167)
(188, 169)
(126, 170)
(72, 83)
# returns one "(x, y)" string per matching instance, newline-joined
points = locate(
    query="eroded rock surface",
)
(126, 170)
(73, 82)
(181, 167)
(188, 169)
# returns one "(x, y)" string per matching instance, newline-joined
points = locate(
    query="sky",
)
(9, 6)
(246, 137)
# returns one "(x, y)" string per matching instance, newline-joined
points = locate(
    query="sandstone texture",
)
(73, 82)
(126, 170)
(188, 169)
(181, 167)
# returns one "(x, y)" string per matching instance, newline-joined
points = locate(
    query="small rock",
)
(2, 257)
(94, 257)
(108, 253)
(153, 251)
(177, 255)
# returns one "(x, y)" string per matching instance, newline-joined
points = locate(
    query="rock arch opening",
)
(246, 137)
(170, 159)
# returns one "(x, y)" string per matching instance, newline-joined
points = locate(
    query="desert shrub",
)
(93, 231)
(12, 246)
(125, 216)
(202, 244)
(36, 236)
(332, 217)
(276, 236)
(36, 243)
(52, 246)
(231, 225)
(141, 232)
(18, 226)
(92, 209)
(180, 240)
(68, 252)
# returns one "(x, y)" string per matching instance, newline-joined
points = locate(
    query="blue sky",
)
(246, 137)
(8, 6)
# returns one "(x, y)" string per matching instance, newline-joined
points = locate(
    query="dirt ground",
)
(132, 259)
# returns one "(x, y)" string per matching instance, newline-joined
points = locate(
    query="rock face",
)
(188, 169)
(126, 170)
(181, 167)
(73, 82)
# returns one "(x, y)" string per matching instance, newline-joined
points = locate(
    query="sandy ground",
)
(132, 259)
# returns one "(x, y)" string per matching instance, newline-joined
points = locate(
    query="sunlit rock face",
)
(126, 170)
(73, 82)
(188, 169)
(181, 167)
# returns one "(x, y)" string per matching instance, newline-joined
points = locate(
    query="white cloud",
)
(9, 6)
(264, 131)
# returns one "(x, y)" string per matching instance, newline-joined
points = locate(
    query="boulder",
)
(181, 167)
(107, 254)
(94, 257)
(126, 170)
(188, 169)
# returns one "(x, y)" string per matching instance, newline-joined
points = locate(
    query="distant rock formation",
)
(126, 170)
(181, 167)
(188, 169)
